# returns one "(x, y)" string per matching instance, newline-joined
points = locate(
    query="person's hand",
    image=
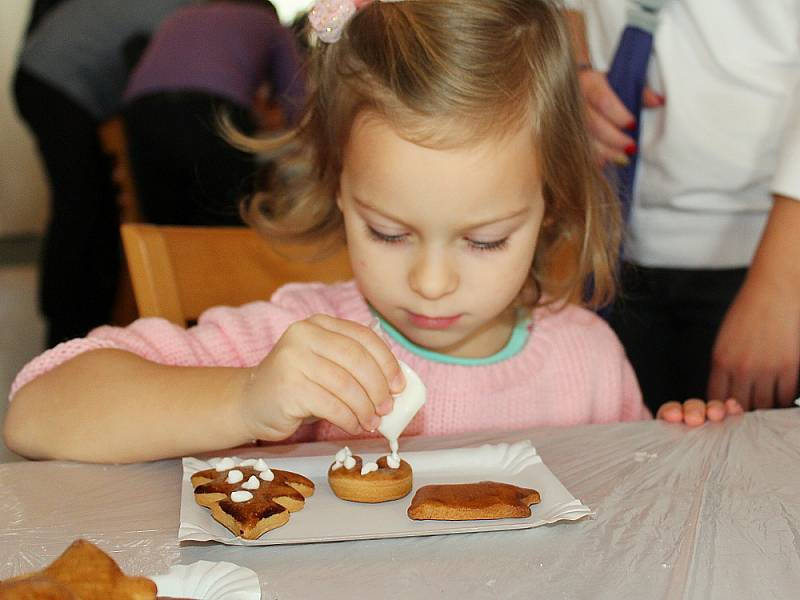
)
(607, 118)
(756, 355)
(324, 368)
(694, 411)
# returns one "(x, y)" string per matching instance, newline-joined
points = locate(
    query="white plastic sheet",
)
(706, 513)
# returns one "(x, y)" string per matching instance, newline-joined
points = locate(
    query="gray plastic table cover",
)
(681, 513)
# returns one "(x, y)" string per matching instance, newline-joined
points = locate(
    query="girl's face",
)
(441, 241)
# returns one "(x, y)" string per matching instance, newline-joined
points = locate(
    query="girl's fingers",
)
(367, 339)
(323, 404)
(715, 410)
(694, 412)
(672, 412)
(733, 407)
(342, 388)
(361, 353)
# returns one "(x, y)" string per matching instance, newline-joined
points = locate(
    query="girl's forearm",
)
(113, 406)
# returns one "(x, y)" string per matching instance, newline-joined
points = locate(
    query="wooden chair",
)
(178, 272)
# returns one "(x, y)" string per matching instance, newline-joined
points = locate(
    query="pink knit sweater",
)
(572, 371)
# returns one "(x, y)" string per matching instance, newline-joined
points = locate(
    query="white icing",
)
(266, 475)
(234, 476)
(225, 464)
(241, 496)
(248, 462)
(368, 468)
(251, 484)
(393, 461)
(261, 465)
(343, 457)
(342, 454)
(406, 405)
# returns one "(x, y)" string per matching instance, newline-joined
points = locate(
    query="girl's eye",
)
(494, 245)
(385, 237)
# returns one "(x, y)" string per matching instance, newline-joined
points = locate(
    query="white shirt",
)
(728, 136)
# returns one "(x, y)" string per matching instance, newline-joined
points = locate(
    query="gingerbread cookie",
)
(389, 478)
(249, 498)
(472, 501)
(82, 572)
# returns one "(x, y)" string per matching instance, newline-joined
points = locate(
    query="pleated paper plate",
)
(326, 518)
(206, 580)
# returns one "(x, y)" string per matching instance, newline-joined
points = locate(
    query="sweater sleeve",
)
(633, 408)
(224, 336)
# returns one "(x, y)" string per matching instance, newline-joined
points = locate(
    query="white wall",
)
(23, 189)
(288, 9)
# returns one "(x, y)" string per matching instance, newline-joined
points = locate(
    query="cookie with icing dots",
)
(351, 479)
(248, 497)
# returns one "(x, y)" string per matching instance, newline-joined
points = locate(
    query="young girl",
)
(446, 142)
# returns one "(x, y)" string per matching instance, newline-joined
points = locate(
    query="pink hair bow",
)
(329, 17)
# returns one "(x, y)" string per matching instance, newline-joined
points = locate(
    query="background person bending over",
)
(70, 78)
(206, 60)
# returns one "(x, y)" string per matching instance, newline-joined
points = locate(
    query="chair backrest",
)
(178, 272)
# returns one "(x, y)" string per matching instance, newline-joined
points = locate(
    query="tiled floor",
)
(21, 328)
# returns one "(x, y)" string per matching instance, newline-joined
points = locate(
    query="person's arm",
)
(113, 406)
(110, 405)
(756, 356)
(606, 115)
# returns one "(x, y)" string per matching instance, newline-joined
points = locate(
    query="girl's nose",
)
(433, 275)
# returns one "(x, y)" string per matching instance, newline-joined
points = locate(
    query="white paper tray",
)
(326, 518)
(206, 580)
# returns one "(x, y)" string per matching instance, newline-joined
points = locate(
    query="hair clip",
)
(329, 17)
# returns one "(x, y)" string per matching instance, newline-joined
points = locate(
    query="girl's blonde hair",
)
(447, 73)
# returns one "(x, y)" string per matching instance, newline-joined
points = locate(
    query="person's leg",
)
(184, 171)
(223, 173)
(702, 297)
(154, 126)
(641, 317)
(81, 256)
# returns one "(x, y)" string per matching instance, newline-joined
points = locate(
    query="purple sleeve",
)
(287, 74)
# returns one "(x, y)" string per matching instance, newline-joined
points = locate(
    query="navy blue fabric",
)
(627, 78)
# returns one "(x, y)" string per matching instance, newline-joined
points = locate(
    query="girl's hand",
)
(325, 368)
(607, 118)
(694, 411)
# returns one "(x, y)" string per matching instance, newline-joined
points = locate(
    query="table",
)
(681, 513)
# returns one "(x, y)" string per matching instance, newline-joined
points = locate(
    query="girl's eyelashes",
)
(386, 237)
(494, 245)
(396, 238)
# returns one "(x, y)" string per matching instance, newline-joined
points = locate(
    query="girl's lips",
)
(425, 322)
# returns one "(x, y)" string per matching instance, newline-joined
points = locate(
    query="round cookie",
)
(376, 486)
